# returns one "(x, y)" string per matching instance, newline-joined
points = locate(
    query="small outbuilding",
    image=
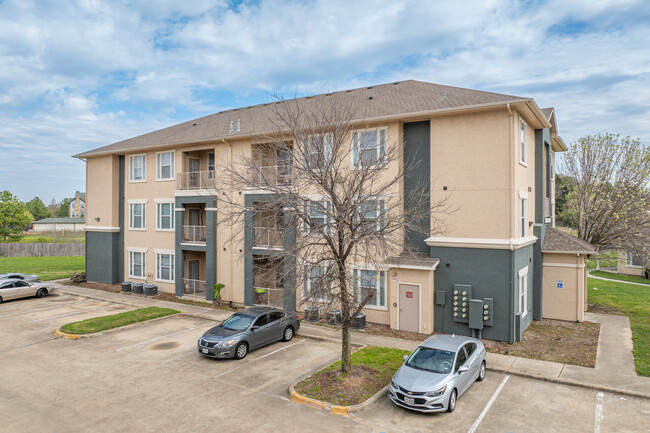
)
(60, 224)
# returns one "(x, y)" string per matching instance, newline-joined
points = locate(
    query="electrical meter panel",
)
(461, 297)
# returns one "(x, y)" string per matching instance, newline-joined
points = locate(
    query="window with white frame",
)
(368, 147)
(523, 292)
(522, 141)
(370, 215)
(165, 216)
(318, 149)
(371, 285)
(165, 165)
(137, 266)
(524, 222)
(632, 261)
(138, 169)
(137, 215)
(316, 216)
(316, 284)
(165, 267)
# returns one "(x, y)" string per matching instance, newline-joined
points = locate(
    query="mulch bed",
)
(385, 331)
(357, 386)
(554, 340)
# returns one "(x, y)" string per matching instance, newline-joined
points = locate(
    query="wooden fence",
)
(41, 250)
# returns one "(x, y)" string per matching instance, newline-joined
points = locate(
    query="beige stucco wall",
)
(524, 175)
(423, 278)
(623, 268)
(102, 182)
(568, 303)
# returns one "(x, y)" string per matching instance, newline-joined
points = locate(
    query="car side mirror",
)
(254, 328)
(406, 357)
(462, 369)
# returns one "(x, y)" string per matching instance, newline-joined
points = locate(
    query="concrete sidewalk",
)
(614, 370)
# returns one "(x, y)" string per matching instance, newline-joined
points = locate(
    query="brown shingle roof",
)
(421, 260)
(556, 241)
(403, 97)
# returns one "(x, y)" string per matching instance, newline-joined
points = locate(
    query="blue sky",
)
(75, 75)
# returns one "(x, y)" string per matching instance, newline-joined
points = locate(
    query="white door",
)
(409, 307)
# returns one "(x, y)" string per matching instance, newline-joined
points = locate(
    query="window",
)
(137, 216)
(368, 147)
(522, 142)
(524, 222)
(632, 261)
(137, 164)
(460, 359)
(165, 162)
(165, 267)
(318, 150)
(371, 215)
(165, 219)
(316, 285)
(523, 292)
(262, 320)
(315, 216)
(136, 264)
(470, 348)
(275, 315)
(371, 284)
(21, 284)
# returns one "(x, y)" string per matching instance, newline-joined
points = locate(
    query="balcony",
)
(194, 288)
(196, 180)
(194, 234)
(278, 175)
(268, 237)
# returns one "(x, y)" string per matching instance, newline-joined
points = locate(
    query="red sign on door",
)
(409, 294)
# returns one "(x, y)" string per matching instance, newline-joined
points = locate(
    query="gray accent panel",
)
(210, 247)
(121, 210)
(492, 274)
(523, 257)
(541, 136)
(101, 253)
(538, 275)
(417, 157)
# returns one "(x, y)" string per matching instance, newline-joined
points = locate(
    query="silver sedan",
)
(19, 276)
(14, 289)
(441, 369)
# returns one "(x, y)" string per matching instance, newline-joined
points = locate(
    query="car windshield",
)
(237, 322)
(433, 360)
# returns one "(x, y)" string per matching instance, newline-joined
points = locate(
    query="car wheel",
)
(481, 372)
(41, 292)
(241, 351)
(288, 334)
(0, 299)
(452, 401)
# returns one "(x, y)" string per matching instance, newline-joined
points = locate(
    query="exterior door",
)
(409, 307)
(194, 172)
(193, 269)
(262, 335)
(7, 291)
(23, 289)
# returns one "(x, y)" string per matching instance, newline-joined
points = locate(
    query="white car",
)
(14, 289)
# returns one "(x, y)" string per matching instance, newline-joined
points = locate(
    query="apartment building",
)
(153, 212)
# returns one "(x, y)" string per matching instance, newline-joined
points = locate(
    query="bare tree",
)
(608, 177)
(332, 199)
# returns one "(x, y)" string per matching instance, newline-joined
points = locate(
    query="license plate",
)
(205, 350)
(409, 400)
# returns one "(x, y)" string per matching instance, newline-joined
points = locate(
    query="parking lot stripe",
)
(488, 406)
(159, 338)
(72, 314)
(255, 359)
(600, 414)
(43, 309)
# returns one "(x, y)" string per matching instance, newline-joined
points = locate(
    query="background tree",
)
(607, 176)
(37, 208)
(14, 217)
(336, 186)
(64, 208)
(564, 213)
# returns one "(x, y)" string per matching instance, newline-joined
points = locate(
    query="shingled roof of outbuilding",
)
(412, 260)
(556, 241)
(372, 102)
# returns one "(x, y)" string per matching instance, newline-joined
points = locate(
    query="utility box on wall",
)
(462, 295)
(476, 314)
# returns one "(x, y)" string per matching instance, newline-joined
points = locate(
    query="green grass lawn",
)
(99, 324)
(372, 369)
(634, 301)
(47, 268)
(47, 238)
(613, 276)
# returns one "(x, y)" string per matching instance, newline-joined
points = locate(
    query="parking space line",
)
(488, 406)
(72, 314)
(255, 359)
(43, 309)
(158, 338)
(600, 414)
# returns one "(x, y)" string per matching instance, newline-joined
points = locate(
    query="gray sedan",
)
(437, 373)
(18, 276)
(247, 330)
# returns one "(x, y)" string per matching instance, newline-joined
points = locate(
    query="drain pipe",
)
(513, 161)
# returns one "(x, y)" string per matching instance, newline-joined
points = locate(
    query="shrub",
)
(78, 278)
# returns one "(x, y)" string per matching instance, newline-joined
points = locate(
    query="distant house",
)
(629, 264)
(60, 224)
(77, 207)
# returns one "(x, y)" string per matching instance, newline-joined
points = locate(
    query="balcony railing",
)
(196, 180)
(279, 174)
(194, 234)
(268, 237)
(195, 288)
(269, 296)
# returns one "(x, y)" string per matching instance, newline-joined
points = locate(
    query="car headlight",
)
(437, 393)
(225, 344)
(393, 384)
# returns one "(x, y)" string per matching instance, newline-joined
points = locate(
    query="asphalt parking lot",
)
(150, 378)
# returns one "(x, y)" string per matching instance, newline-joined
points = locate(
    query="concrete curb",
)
(60, 333)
